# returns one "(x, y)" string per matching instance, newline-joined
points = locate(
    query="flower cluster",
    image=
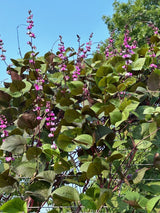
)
(29, 28)
(82, 54)
(39, 81)
(63, 57)
(3, 125)
(127, 50)
(50, 122)
(61, 49)
(87, 48)
(50, 118)
(110, 51)
(2, 56)
(155, 29)
(76, 73)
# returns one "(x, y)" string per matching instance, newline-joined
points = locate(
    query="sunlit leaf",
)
(14, 205)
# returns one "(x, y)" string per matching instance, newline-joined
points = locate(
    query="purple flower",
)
(46, 110)
(39, 118)
(128, 74)
(153, 65)
(38, 87)
(66, 77)
(8, 159)
(31, 61)
(52, 129)
(50, 135)
(53, 146)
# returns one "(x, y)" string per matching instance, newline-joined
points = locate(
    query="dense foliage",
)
(81, 134)
(139, 15)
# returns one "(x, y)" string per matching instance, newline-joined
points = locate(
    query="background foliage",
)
(137, 15)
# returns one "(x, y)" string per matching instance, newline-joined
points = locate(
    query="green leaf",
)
(10, 114)
(41, 190)
(111, 88)
(27, 87)
(153, 81)
(118, 143)
(115, 116)
(16, 62)
(71, 115)
(149, 110)
(84, 166)
(105, 195)
(6, 180)
(33, 152)
(14, 205)
(26, 169)
(140, 175)
(3, 167)
(61, 166)
(104, 70)
(152, 187)
(88, 202)
(17, 86)
(154, 39)
(114, 156)
(47, 176)
(138, 64)
(86, 110)
(98, 57)
(65, 143)
(151, 203)
(142, 51)
(4, 98)
(85, 140)
(66, 193)
(96, 167)
(102, 83)
(76, 87)
(14, 144)
(56, 78)
(101, 132)
(133, 198)
(121, 87)
(152, 128)
(143, 144)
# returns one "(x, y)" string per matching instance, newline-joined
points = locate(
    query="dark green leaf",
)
(103, 71)
(40, 190)
(76, 87)
(33, 152)
(153, 81)
(71, 115)
(17, 85)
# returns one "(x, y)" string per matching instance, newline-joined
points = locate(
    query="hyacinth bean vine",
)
(81, 134)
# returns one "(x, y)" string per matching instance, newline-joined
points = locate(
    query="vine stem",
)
(18, 40)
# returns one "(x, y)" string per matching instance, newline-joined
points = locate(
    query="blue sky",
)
(51, 19)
